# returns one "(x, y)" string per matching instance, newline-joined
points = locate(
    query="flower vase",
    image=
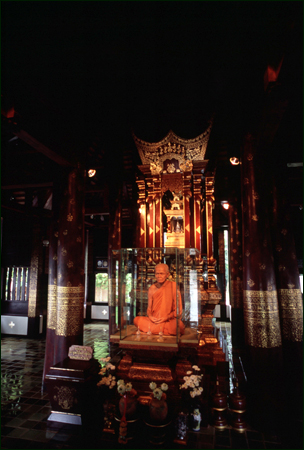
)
(131, 406)
(181, 428)
(196, 419)
(158, 410)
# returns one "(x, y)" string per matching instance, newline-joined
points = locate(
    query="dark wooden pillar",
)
(261, 309)
(287, 271)
(35, 283)
(66, 272)
(52, 297)
(290, 300)
(70, 266)
(236, 273)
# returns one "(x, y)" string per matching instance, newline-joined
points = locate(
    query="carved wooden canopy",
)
(173, 147)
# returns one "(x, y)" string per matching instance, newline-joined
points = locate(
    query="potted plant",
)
(158, 407)
(191, 393)
(128, 400)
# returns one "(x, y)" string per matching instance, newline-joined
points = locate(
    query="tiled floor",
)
(25, 408)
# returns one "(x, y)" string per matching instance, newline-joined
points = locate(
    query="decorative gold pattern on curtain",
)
(69, 310)
(261, 318)
(291, 310)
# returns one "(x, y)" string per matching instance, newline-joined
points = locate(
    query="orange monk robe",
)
(162, 304)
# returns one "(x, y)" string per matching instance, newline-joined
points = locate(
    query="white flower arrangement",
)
(125, 388)
(192, 382)
(107, 379)
(159, 393)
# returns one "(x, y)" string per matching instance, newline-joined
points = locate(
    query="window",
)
(101, 287)
(17, 283)
(226, 251)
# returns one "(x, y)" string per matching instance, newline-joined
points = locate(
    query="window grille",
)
(17, 284)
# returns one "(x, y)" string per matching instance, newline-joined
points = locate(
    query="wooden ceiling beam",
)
(27, 186)
(30, 140)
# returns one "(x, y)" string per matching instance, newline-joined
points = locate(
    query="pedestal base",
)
(60, 418)
(157, 433)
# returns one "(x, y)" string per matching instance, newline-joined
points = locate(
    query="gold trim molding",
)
(69, 310)
(261, 318)
(291, 310)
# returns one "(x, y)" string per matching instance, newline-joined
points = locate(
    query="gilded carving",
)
(65, 397)
(291, 311)
(261, 317)
(255, 217)
(170, 168)
(51, 308)
(174, 183)
(69, 217)
(186, 166)
(69, 310)
(174, 146)
(33, 286)
(65, 232)
(70, 264)
(250, 283)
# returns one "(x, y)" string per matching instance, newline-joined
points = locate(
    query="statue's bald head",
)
(162, 266)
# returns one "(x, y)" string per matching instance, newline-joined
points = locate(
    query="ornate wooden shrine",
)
(170, 191)
(174, 192)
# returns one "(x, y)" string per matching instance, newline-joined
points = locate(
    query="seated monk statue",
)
(161, 312)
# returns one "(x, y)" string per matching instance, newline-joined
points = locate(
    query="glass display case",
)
(132, 273)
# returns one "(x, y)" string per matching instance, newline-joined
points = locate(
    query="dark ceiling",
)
(82, 75)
